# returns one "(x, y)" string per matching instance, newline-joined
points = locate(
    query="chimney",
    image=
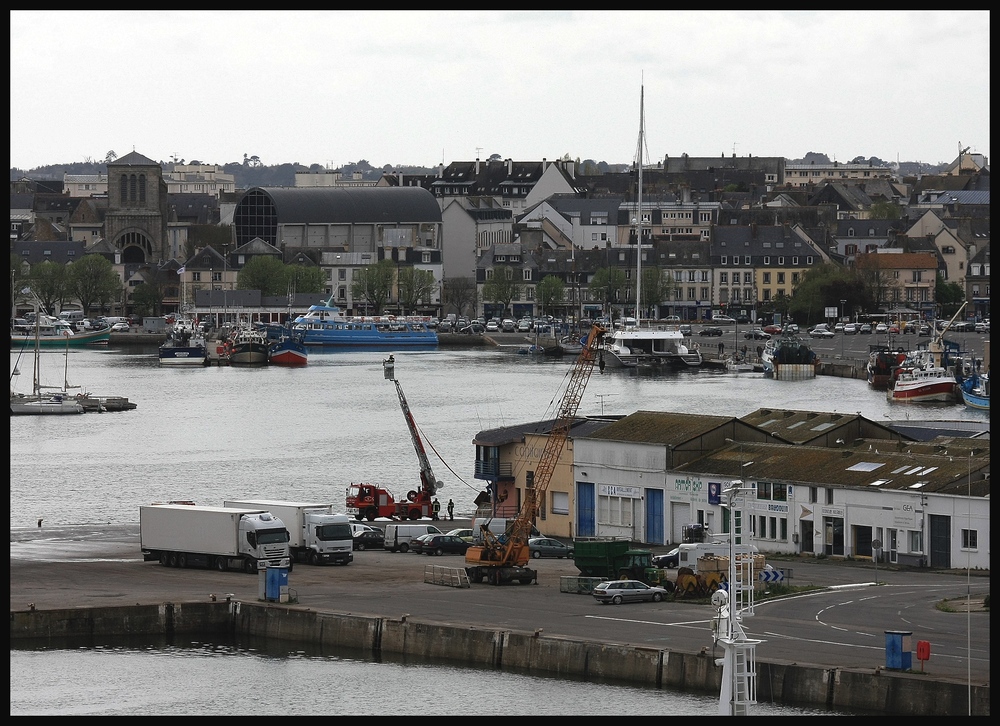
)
(543, 164)
(477, 165)
(510, 166)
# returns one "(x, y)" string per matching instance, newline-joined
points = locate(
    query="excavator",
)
(502, 558)
(371, 500)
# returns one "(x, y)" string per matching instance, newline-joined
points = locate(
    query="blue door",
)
(654, 516)
(586, 509)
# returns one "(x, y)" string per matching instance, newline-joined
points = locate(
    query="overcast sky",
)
(425, 87)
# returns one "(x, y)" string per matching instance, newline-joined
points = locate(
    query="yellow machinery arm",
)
(511, 550)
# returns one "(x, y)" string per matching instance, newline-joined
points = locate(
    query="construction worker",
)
(436, 508)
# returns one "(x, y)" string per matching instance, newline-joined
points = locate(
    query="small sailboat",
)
(37, 402)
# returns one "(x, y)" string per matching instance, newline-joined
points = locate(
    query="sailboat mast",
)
(638, 209)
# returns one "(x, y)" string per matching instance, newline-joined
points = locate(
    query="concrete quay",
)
(88, 585)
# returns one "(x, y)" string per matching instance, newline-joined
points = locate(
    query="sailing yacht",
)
(40, 403)
(637, 342)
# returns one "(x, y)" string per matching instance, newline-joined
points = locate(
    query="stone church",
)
(136, 222)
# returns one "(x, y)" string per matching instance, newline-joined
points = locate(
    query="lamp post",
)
(842, 335)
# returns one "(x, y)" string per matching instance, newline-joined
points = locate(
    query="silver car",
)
(618, 591)
(548, 547)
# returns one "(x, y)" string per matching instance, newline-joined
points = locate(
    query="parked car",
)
(772, 329)
(791, 328)
(473, 329)
(756, 334)
(685, 329)
(439, 544)
(619, 591)
(743, 320)
(507, 326)
(672, 319)
(882, 329)
(865, 329)
(548, 547)
(445, 326)
(524, 326)
(669, 560)
(492, 327)
(710, 331)
(850, 329)
(983, 327)
(819, 332)
(465, 534)
(369, 539)
(894, 330)
(120, 327)
(839, 327)
(723, 320)
(925, 329)
(417, 543)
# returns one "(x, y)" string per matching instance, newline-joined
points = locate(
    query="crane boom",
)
(428, 483)
(498, 557)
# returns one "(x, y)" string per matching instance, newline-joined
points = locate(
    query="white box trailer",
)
(185, 535)
(317, 533)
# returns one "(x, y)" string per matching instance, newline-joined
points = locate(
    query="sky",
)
(421, 88)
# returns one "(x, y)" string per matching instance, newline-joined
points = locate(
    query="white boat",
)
(639, 342)
(920, 380)
(649, 345)
(40, 402)
(737, 363)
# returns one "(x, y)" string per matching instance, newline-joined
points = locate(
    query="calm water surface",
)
(207, 434)
(199, 678)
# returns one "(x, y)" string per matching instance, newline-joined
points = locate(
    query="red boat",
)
(922, 384)
(288, 351)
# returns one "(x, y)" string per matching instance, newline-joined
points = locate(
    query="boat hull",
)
(194, 355)
(249, 354)
(289, 353)
(974, 400)
(942, 391)
(43, 406)
(367, 334)
(95, 337)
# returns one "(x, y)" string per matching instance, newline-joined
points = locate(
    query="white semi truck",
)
(185, 535)
(317, 533)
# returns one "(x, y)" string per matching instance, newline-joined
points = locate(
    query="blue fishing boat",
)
(326, 324)
(185, 345)
(976, 391)
(287, 348)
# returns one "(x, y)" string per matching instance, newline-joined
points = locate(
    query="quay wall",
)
(878, 692)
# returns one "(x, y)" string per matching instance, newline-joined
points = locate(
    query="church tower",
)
(136, 221)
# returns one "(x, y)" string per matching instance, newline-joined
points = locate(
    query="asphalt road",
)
(842, 625)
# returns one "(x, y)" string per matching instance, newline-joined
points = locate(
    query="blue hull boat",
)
(326, 325)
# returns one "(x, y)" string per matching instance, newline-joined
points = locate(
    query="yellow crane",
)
(502, 558)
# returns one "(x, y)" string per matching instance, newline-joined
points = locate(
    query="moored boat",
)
(788, 357)
(288, 350)
(326, 324)
(52, 332)
(881, 362)
(185, 346)
(649, 344)
(976, 391)
(919, 380)
(248, 346)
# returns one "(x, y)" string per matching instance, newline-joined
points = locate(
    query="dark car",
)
(669, 560)
(685, 329)
(548, 547)
(710, 331)
(439, 544)
(417, 543)
(368, 539)
(743, 320)
(756, 334)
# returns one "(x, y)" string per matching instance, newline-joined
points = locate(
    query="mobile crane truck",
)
(503, 558)
(368, 501)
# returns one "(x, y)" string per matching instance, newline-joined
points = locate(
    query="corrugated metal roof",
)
(657, 427)
(862, 464)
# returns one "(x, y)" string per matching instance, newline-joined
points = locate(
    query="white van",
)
(398, 536)
(497, 525)
(72, 316)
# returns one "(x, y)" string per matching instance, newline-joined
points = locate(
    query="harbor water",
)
(208, 434)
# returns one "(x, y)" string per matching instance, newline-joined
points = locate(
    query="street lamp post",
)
(842, 335)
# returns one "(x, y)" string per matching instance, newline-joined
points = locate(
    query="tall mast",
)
(638, 208)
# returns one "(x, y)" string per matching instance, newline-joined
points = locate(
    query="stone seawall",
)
(882, 692)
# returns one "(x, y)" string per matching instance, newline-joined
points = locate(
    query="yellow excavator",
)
(503, 558)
